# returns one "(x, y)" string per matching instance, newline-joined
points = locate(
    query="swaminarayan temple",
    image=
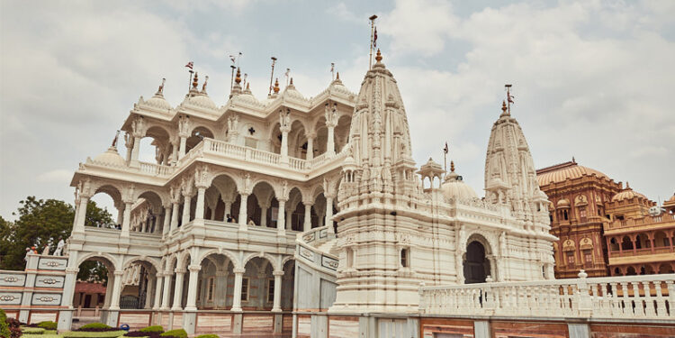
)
(308, 217)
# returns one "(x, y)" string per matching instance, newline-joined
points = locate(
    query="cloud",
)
(61, 176)
(341, 11)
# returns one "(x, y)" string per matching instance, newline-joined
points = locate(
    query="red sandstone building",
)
(590, 213)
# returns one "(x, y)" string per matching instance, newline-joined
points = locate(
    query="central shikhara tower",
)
(395, 233)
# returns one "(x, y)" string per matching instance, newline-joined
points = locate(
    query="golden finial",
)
(338, 76)
(291, 81)
(452, 166)
(248, 86)
(237, 79)
(276, 86)
(195, 81)
(504, 106)
(627, 185)
(378, 57)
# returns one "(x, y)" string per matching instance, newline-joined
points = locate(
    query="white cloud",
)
(61, 176)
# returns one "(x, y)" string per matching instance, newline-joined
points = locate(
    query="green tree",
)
(42, 222)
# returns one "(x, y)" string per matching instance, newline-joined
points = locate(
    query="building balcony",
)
(644, 255)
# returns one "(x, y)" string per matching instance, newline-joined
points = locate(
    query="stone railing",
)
(641, 222)
(306, 249)
(640, 252)
(645, 297)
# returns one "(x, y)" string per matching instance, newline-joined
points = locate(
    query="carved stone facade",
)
(395, 234)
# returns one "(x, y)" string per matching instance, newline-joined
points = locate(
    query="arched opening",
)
(148, 214)
(666, 268)
(319, 210)
(321, 140)
(156, 147)
(626, 243)
(631, 271)
(262, 206)
(661, 240)
(222, 199)
(613, 245)
(138, 286)
(109, 199)
(297, 140)
(275, 139)
(93, 289)
(476, 264)
(257, 291)
(198, 135)
(296, 210)
(216, 283)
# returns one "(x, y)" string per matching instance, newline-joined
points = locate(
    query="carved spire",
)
(452, 166)
(378, 57)
(504, 107)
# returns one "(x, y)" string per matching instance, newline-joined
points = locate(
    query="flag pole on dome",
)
(445, 156)
(190, 65)
(274, 61)
(288, 73)
(332, 71)
(232, 68)
(509, 97)
(114, 144)
(373, 39)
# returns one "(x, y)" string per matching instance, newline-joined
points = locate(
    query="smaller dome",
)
(563, 203)
(111, 157)
(158, 101)
(627, 194)
(672, 199)
(201, 100)
(454, 187)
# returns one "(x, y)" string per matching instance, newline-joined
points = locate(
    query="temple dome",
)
(453, 187)
(111, 157)
(627, 194)
(201, 100)
(158, 101)
(565, 171)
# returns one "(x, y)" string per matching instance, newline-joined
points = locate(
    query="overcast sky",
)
(591, 79)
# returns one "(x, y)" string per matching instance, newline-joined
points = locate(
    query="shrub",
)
(155, 328)
(14, 328)
(48, 325)
(4, 327)
(91, 334)
(208, 336)
(94, 326)
(180, 333)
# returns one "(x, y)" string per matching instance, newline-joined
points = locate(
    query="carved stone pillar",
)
(285, 128)
(192, 288)
(178, 290)
(167, 289)
(307, 224)
(117, 290)
(159, 277)
(186, 209)
(277, 290)
(236, 301)
(329, 213)
(281, 219)
(243, 211)
(310, 146)
(126, 220)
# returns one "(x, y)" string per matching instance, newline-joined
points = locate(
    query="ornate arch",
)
(272, 260)
(231, 256)
(153, 261)
(92, 255)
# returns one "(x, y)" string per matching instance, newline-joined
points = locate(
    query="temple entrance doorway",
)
(476, 264)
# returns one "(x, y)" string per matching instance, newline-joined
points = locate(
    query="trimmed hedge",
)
(209, 336)
(180, 333)
(47, 325)
(32, 330)
(94, 326)
(155, 328)
(89, 334)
